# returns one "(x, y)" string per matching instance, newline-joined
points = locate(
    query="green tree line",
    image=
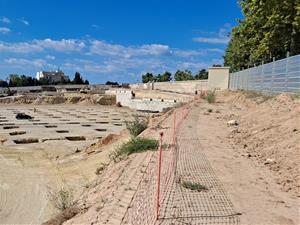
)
(15, 80)
(179, 75)
(270, 29)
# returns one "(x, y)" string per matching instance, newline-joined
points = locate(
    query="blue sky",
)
(113, 39)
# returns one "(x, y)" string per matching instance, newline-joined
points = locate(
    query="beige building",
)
(218, 78)
(53, 76)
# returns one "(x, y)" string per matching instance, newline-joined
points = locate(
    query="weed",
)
(210, 97)
(259, 97)
(135, 145)
(136, 126)
(209, 110)
(100, 168)
(62, 199)
(194, 186)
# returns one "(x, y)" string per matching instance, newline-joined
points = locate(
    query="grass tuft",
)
(62, 199)
(135, 145)
(137, 126)
(211, 97)
(194, 186)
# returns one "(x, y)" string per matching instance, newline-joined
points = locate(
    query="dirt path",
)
(182, 205)
(251, 187)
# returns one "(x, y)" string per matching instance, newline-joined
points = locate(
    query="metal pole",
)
(158, 177)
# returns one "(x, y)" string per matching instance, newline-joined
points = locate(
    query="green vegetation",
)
(183, 75)
(113, 83)
(194, 186)
(148, 77)
(180, 75)
(135, 145)
(259, 97)
(209, 110)
(62, 199)
(210, 97)
(270, 29)
(15, 80)
(78, 79)
(137, 126)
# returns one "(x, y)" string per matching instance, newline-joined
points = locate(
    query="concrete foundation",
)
(126, 98)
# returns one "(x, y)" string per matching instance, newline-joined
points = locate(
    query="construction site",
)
(150, 112)
(222, 157)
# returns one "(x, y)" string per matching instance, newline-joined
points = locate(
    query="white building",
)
(52, 76)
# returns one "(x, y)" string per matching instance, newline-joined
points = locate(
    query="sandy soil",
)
(252, 186)
(256, 161)
(260, 193)
(29, 172)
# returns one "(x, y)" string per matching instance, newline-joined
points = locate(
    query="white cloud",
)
(4, 19)
(193, 65)
(216, 50)
(38, 63)
(51, 57)
(25, 22)
(188, 53)
(4, 30)
(63, 45)
(98, 57)
(105, 49)
(21, 47)
(95, 26)
(220, 38)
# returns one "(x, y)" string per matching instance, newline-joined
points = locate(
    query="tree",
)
(3, 83)
(201, 75)
(86, 82)
(147, 77)
(77, 79)
(166, 76)
(183, 75)
(271, 28)
(112, 83)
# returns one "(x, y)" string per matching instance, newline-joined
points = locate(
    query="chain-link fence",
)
(276, 77)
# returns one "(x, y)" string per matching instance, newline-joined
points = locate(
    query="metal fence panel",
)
(275, 77)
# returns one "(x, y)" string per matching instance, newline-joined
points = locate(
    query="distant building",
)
(52, 76)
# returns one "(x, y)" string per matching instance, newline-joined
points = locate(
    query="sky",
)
(116, 40)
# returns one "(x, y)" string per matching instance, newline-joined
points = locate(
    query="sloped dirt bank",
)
(268, 131)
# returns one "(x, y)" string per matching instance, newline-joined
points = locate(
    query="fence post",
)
(174, 128)
(273, 74)
(158, 176)
(261, 76)
(286, 71)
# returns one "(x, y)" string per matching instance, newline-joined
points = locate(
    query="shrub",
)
(62, 199)
(209, 110)
(137, 126)
(194, 186)
(135, 145)
(257, 96)
(210, 97)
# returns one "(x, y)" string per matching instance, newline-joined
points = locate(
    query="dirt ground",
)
(256, 158)
(29, 172)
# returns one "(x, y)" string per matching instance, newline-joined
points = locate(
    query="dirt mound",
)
(269, 131)
(60, 99)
